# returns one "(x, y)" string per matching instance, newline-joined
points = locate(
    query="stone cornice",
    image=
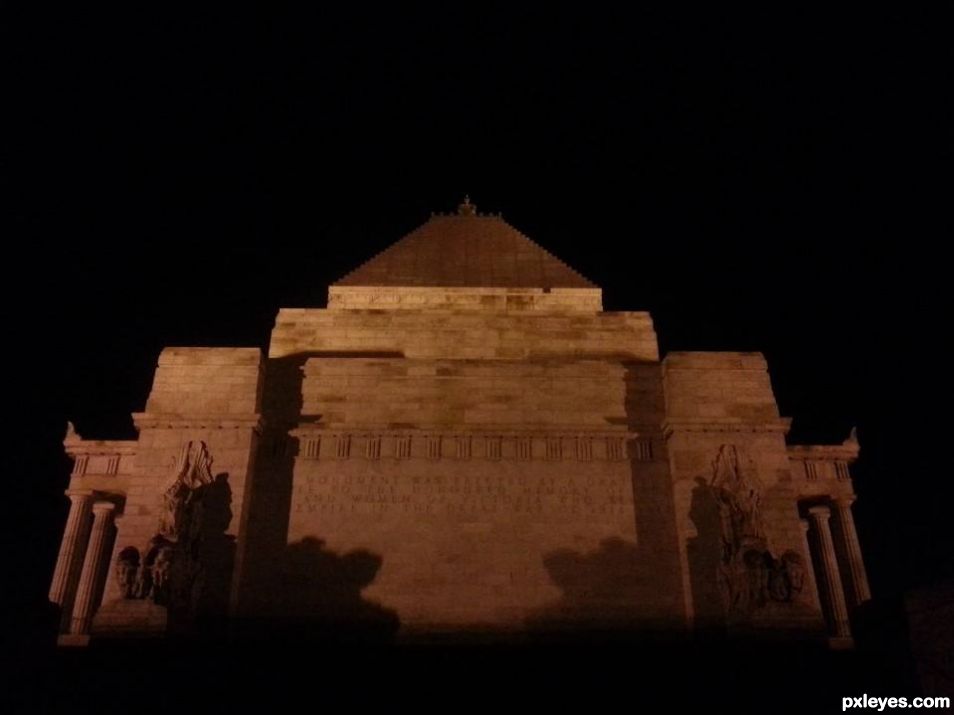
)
(781, 426)
(462, 298)
(593, 445)
(319, 430)
(166, 420)
(76, 446)
(846, 452)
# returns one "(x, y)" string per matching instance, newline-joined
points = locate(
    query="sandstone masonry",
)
(462, 442)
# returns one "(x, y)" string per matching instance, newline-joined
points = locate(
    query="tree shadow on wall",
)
(218, 552)
(615, 589)
(270, 496)
(317, 596)
(203, 567)
(704, 553)
(270, 493)
(631, 590)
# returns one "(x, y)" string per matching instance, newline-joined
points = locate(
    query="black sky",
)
(756, 180)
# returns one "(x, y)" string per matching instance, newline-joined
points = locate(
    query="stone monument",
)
(462, 443)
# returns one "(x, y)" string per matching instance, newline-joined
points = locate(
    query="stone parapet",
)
(538, 300)
(719, 387)
(207, 381)
(462, 334)
(465, 394)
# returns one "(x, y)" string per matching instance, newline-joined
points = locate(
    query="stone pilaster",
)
(72, 547)
(859, 590)
(834, 592)
(97, 555)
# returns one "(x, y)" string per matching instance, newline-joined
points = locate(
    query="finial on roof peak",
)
(466, 208)
(71, 434)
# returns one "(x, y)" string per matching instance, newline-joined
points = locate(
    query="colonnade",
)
(844, 581)
(83, 560)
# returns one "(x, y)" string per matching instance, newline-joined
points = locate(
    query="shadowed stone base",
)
(73, 640)
(133, 617)
(841, 643)
(462, 446)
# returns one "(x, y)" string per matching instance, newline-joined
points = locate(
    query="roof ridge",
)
(445, 251)
(384, 250)
(551, 255)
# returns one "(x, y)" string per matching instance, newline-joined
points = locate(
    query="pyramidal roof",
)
(467, 250)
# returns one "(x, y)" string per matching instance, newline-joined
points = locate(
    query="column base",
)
(73, 640)
(132, 617)
(841, 642)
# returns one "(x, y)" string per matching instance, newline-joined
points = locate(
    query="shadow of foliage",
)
(614, 588)
(317, 595)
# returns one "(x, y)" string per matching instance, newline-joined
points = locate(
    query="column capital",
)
(75, 494)
(101, 507)
(820, 513)
(845, 501)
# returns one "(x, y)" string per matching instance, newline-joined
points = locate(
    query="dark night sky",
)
(755, 181)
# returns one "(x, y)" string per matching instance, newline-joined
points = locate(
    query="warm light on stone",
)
(465, 442)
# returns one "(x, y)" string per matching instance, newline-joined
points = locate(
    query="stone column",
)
(860, 592)
(97, 555)
(833, 589)
(72, 548)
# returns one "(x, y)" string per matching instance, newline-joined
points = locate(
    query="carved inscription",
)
(464, 496)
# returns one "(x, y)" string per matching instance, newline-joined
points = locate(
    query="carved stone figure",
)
(193, 473)
(127, 571)
(778, 587)
(744, 573)
(145, 580)
(172, 570)
(787, 577)
(160, 575)
(794, 568)
(739, 500)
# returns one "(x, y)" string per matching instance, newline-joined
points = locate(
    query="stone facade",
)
(462, 442)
